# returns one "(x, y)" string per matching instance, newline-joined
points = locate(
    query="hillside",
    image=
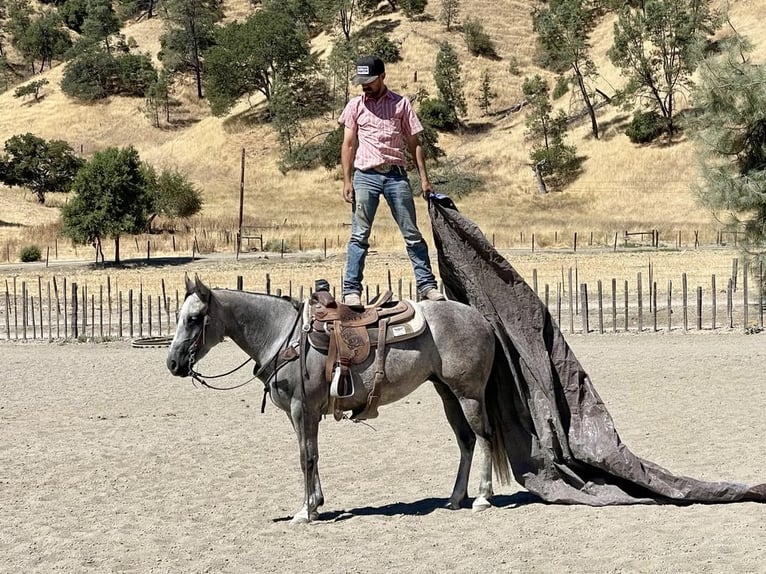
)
(622, 185)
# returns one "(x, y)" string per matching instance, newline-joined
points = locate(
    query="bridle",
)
(198, 377)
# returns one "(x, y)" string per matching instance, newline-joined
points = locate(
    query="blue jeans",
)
(395, 188)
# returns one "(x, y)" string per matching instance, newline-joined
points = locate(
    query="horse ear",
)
(202, 290)
(189, 284)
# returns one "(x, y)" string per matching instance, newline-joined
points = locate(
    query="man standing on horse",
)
(378, 124)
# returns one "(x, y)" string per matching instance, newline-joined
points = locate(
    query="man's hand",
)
(348, 192)
(427, 190)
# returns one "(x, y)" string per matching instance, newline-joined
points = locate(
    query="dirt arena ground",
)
(109, 464)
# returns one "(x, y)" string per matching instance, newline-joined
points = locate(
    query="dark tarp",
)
(560, 438)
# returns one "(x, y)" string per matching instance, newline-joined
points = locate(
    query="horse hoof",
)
(303, 517)
(452, 505)
(480, 504)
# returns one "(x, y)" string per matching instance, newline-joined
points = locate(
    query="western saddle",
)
(348, 334)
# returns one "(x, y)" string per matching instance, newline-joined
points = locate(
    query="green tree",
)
(95, 74)
(31, 89)
(173, 195)
(92, 75)
(158, 99)
(412, 8)
(42, 166)
(563, 30)
(3, 16)
(658, 47)
(477, 40)
(730, 132)
(341, 68)
(248, 57)
(112, 199)
(73, 13)
(449, 82)
(554, 162)
(43, 40)
(448, 15)
(100, 22)
(190, 32)
(486, 93)
(285, 115)
(342, 14)
(137, 8)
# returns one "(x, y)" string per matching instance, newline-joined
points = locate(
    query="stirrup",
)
(335, 385)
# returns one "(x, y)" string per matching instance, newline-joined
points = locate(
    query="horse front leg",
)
(307, 431)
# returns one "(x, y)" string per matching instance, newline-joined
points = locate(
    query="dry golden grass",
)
(622, 186)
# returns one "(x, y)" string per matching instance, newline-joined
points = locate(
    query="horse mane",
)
(292, 300)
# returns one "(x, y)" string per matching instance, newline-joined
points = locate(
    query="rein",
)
(200, 378)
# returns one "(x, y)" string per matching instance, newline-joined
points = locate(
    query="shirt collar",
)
(386, 94)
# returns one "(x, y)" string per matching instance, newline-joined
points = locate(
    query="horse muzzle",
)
(178, 368)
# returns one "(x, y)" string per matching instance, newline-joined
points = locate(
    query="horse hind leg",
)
(466, 440)
(472, 421)
(476, 415)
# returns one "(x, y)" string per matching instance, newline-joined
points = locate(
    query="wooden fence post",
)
(75, 304)
(585, 322)
(626, 305)
(714, 312)
(699, 307)
(571, 309)
(684, 301)
(670, 305)
(600, 309)
(7, 312)
(730, 303)
(640, 298)
(614, 305)
(745, 301)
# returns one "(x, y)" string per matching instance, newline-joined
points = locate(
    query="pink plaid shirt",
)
(381, 128)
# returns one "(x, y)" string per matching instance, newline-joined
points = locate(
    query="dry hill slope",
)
(622, 185)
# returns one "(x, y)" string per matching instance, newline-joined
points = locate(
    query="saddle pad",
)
(394, 333)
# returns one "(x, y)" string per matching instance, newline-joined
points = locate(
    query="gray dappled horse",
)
(455, 352)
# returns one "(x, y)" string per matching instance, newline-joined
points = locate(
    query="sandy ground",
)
(108, 464)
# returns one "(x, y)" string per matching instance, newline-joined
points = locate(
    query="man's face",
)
(375, 88)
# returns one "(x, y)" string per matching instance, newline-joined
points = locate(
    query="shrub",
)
(95, 74)
(300, 157)
(561, 88)
(412, 8)
(438, 114)
(645, 127)
(277, 246)
(30, 253)
(136, 74)
(92, 75)
(382, 46)
(329, 152)
(477, 40)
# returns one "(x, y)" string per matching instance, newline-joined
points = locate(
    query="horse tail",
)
(500, 460)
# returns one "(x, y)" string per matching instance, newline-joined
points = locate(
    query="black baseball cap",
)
(368, 68)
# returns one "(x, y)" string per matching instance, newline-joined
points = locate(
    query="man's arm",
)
(416, 149)
(347, 151)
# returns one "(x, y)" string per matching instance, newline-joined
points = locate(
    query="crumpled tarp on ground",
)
(560, 438)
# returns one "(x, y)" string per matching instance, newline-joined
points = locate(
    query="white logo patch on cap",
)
(363, 70)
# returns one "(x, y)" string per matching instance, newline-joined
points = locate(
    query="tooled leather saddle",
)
(348, 334)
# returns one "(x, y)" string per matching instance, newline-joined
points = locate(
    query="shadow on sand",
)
(419, 507)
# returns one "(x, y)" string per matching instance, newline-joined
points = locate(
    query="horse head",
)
(197, 329)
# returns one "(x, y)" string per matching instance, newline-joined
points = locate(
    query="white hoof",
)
(303, 517)
(480, 504)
